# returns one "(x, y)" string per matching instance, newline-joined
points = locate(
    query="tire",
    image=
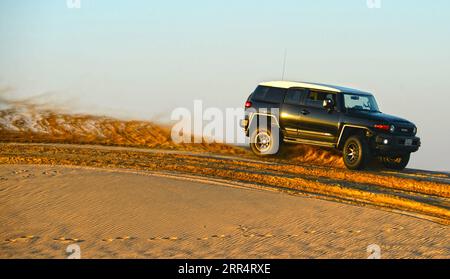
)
(396, 162)
(356, 153)
(265, 143)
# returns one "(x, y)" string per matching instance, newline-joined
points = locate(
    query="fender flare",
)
(255, 114)
(349, 126)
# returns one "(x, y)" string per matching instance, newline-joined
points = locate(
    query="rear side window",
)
(295, 96)
(315, 98)
(269, 94)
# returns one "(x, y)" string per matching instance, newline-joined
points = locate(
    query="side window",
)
(295, 96)
(275, 95)
(269, 94)
(260, 93)
(315, 98)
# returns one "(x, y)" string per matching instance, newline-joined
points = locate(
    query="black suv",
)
(330, 116)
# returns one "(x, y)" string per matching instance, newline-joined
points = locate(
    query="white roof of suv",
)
(311, 85)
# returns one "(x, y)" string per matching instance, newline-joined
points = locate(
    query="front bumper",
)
(392, 145)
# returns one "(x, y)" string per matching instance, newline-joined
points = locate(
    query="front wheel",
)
(264, 142)
(396, 162)
(356, 153)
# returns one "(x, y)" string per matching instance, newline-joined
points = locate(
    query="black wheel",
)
(356, 153)
(263, 142)
(396, 162)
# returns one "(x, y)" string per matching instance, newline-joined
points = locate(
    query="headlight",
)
(392, 129)
(415, 130)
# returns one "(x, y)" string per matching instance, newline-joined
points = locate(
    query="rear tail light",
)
(248, 104)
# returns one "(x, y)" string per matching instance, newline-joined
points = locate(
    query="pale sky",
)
(144, 58)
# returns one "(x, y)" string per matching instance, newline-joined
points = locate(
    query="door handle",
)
(304, 111)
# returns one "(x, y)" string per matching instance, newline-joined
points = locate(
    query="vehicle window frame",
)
(307, 104)
(303, 95)
(344, 106)
(265, 100)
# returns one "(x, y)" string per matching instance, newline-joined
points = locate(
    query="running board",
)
(311, 142)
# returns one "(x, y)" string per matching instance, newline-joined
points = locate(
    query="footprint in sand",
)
(163, 238)
(119, 238)
(243, 228)
(214, 236)
(170, 238)
(218, 236)
(24, 238)
(246, 232)
(23, 173)
(68, 240)
(51, 172)
(266, 235)
(19, 171)
(392, 229)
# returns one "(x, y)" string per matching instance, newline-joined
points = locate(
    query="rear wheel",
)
(396, 162)
(356, 153)
(263, 142)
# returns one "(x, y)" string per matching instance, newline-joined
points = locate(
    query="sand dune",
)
(123, 214)
(90, 180)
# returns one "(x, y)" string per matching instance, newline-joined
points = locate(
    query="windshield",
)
(360, 102)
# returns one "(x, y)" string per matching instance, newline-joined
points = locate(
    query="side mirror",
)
(328, 104)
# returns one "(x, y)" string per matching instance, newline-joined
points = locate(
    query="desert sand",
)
(419, 193)
(117, 213)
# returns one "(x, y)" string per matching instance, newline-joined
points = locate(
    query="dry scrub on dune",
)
(311, 154)
(365, 178)
(26, 123)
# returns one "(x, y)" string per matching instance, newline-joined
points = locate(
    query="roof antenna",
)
(284, 64)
